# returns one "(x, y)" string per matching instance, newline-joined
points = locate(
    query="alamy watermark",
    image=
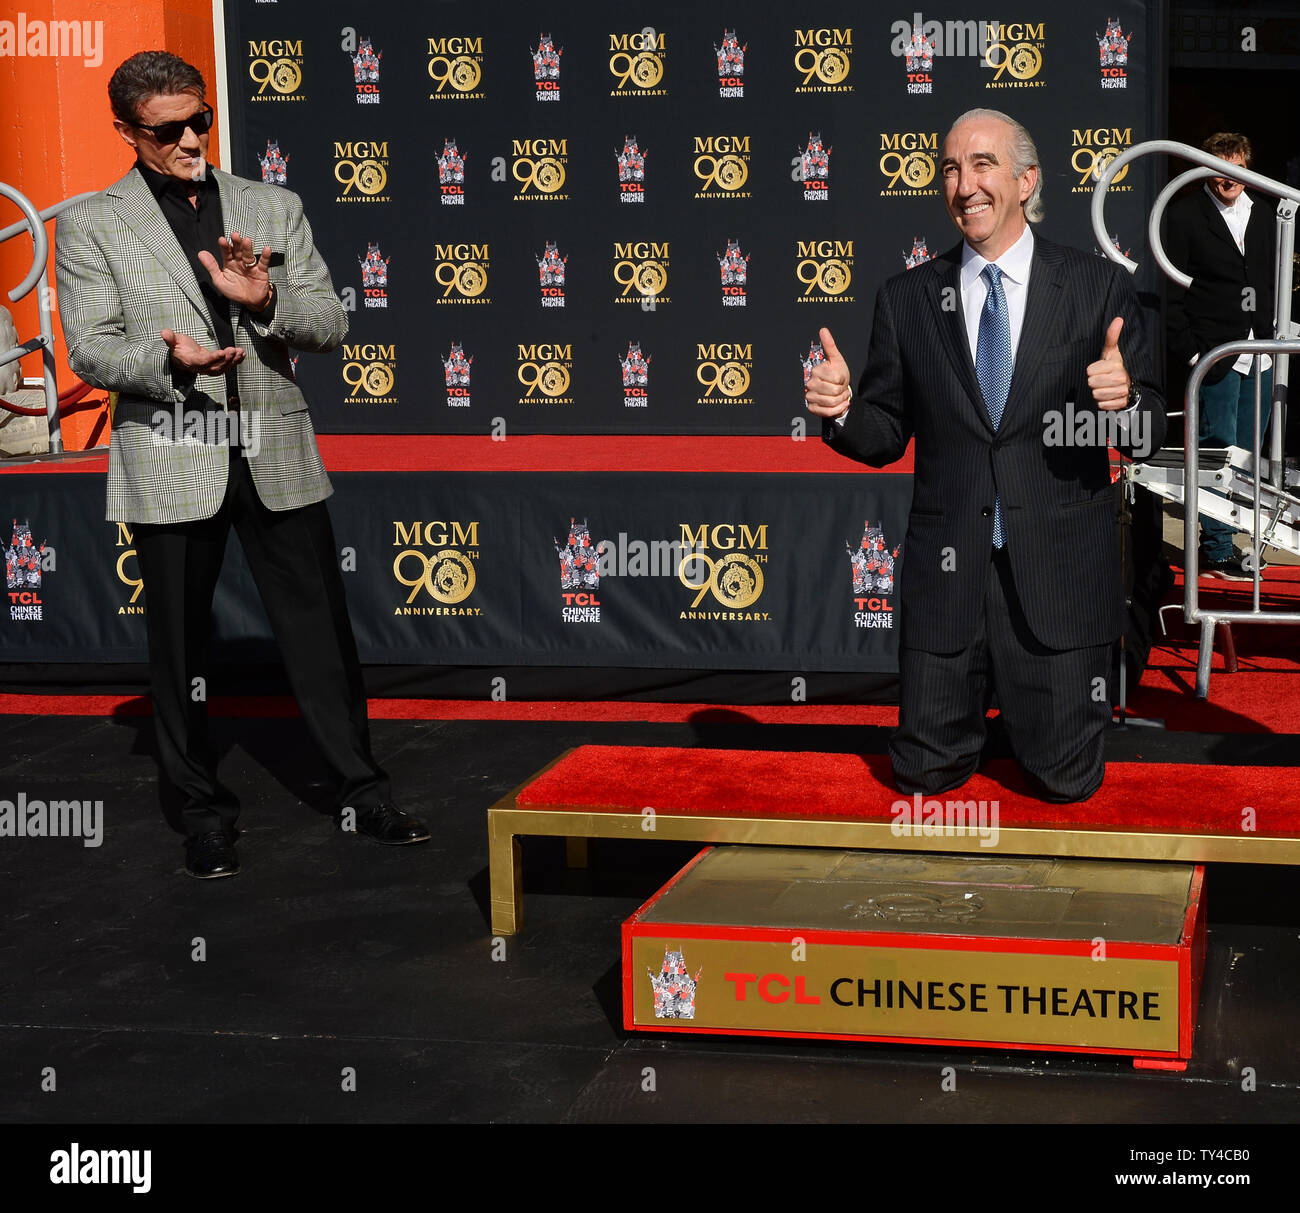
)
(1128, 430)
(207, 427)
(930, 818)
(27, 39)
(24, 818)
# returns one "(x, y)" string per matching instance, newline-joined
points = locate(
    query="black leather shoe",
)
(210, 855)
(387, 823)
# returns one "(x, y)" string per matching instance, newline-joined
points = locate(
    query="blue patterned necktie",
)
(993, 365)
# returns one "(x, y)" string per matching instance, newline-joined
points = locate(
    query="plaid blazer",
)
(123, 279)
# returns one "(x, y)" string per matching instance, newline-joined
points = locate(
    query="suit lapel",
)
(237, 214)
(138, 209)
(944, 292)
(1043, 308)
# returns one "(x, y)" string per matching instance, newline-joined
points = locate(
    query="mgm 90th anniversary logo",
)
(734, 576)
(462, 272)
(539, 167)
(907, 162)
(1092, 150)
(361, 168)
(545, 372)
(823, 59)
(455, 67)
(636, 61)
(370, 371)
(641, 266)
(436, 564)
(722, 166)
(725, 369)
(1013, 50)
(275, 66)
(825, 267)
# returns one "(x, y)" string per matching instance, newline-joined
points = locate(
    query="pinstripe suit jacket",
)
(1058, 505)
(123, 278)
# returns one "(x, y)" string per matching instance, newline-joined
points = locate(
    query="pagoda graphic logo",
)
(920, 62)
(579, 574)
(1112, 48)
(636, 377)
(451, 174)
(546, 68)
(872, 563)
(731, 65)
(550, 275)
(734, 268)
(815, 169)
(919, 255)
(815, 355)
(365, 73)
(631, 171)
(374, 276)
(674, 987)
(455, 368)
(23, 573)
(275, 166)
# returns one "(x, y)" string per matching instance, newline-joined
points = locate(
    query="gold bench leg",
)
(576, 852)
(505, 878)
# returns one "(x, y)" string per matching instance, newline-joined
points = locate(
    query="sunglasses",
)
(170, 132)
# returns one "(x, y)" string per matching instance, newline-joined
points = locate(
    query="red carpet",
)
(546, 452)
(1140, 796)
(1261, 697)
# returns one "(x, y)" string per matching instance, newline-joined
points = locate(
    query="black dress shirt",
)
(197, 227)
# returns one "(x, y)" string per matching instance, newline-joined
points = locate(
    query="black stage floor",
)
(329, 952)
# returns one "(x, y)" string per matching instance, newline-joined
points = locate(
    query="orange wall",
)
(61, 140)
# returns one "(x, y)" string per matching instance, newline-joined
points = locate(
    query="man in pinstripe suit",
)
(184, 290)
(1012, 361)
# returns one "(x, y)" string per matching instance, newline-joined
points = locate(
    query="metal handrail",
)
(1280, 347)
(33, 222)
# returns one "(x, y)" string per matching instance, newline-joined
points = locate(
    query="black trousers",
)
(294, 563)
(1055, 704)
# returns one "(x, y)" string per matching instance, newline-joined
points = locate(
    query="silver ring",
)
(248, 265)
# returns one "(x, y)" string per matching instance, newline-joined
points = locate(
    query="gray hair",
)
(151, 74)
(1024, 154)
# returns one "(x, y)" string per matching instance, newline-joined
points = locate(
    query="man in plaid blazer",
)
(184, 290)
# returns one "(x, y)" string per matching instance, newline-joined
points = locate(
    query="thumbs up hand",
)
(1107, 377)
(828, 390)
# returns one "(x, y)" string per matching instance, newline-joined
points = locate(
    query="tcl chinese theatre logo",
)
(1091, 151)
(907, 163)
(436, 564)
(455, 67)
(823, 59)
(872, 563)
(365, 69)
(722, 166)
(1014, 53)
(370, 372)
(825, 268)
(544, 371)
(579, 574)
(25, 566)
(724, 369)
(724, 562)
(275, 66)
(636, 61)
(462, 272)
(539, 168)
(361, 168)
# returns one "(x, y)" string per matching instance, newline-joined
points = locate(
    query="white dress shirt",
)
(1014, 264)
(1237, 216)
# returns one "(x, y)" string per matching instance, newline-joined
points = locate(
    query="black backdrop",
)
(461, 258)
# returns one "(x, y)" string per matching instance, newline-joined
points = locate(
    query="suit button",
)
(232, 401)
